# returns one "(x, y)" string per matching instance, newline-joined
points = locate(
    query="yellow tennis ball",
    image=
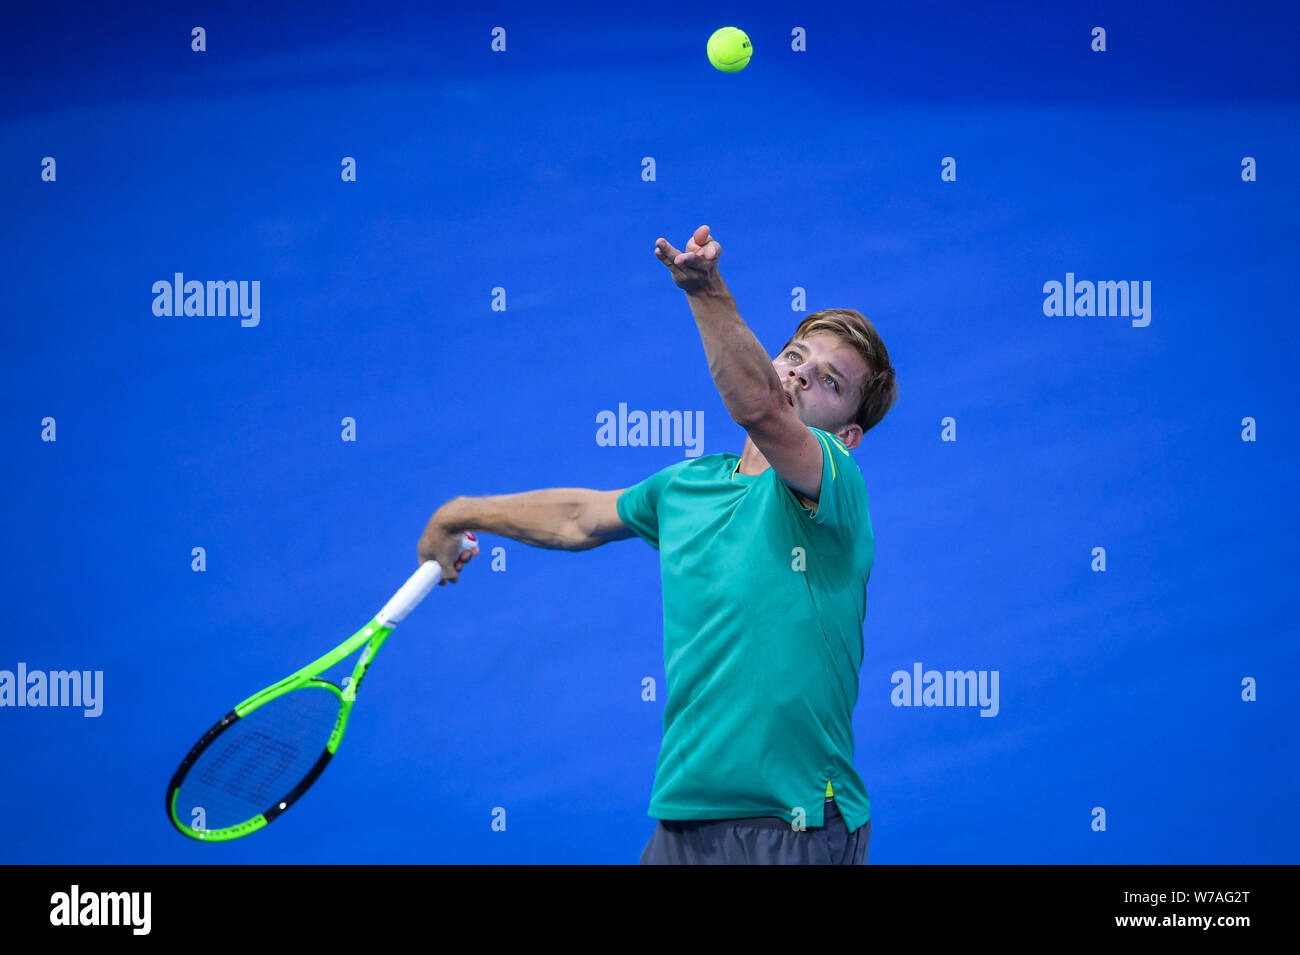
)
(729, 49)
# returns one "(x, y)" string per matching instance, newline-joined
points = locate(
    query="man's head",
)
(836, 372)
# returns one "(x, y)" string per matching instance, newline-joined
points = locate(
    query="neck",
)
(751, 459)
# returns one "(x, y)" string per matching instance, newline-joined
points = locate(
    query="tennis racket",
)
(260, 758)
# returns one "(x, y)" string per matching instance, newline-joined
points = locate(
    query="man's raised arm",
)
(742, 370)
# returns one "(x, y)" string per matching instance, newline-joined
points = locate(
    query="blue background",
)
(522, 169)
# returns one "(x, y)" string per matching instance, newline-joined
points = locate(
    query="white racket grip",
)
(416, 588)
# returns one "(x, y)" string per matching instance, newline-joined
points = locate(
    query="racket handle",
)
(416, 588)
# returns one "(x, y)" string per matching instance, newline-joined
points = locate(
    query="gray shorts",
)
(762, 840)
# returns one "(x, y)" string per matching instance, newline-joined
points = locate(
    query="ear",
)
(851, 435)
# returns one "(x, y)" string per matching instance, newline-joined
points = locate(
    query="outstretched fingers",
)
(664, 249)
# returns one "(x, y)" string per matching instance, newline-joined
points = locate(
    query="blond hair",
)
(878, 390)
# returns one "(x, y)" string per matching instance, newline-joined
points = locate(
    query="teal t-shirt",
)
(763, 601)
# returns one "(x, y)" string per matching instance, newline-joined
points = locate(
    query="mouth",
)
(789, 397)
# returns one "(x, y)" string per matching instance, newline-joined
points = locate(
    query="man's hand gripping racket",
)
(263, 755)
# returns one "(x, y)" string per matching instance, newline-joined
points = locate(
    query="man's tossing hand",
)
(696, 269)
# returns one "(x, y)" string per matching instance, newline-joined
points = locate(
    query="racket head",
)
(257, 760)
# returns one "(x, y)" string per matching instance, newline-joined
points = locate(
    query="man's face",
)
(822, 378)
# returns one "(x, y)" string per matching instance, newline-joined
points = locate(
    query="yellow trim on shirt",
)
(829, 794)
(830, 456)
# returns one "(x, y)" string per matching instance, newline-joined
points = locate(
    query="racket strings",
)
(259, 759)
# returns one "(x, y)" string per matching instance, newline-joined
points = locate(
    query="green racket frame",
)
(372, 633)
(372, 637)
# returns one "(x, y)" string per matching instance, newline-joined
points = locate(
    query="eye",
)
(795, 354)
(834, 384)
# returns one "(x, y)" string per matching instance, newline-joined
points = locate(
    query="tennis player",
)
(765, 559)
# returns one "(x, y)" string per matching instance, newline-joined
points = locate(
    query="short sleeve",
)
(842, 503)
(638, 506)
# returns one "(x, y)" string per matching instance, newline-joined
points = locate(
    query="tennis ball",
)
(729, 49)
